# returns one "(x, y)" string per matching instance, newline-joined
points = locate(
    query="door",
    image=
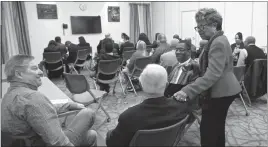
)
(187, 26)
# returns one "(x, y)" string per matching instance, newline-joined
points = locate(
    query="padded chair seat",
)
(85, 97)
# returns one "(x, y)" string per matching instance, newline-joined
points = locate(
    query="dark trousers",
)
(212, 128)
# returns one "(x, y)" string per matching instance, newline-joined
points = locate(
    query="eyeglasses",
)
(201, 27)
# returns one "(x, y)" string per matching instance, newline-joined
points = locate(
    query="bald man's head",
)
(174, 43)
(162, 38)
(108, 35)
(249, 40)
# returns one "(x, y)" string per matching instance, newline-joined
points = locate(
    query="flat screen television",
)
(86, 24)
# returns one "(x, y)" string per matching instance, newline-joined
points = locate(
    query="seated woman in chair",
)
(140, 52)
(156, 111)
(108, 55)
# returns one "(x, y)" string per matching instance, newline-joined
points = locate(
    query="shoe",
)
(130, 89)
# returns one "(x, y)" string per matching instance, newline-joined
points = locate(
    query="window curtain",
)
(15, 35)
(134, 23)
(140, 21)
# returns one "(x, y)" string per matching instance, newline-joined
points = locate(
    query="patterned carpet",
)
(241, 130)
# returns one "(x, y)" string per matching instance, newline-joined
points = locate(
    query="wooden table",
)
(49, 89)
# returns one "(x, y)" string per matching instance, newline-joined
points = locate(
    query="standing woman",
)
(217, 83)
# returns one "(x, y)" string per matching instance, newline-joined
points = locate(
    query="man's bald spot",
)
(174, 43)
(107, 35)
(250, 40)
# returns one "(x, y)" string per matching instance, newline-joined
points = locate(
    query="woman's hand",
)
(180, 96)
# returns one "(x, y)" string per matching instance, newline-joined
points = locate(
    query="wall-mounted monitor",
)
(86, 24)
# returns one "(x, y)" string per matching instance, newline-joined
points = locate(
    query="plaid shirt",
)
(27, 112)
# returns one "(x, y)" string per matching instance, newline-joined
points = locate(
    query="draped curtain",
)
(140, 21)
(15, 35)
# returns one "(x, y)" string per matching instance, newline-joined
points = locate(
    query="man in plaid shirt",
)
(27, 112)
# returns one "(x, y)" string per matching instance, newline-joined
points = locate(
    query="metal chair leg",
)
(114, 86)
(132, 86)
(120, 80)
(248, 98)
(247, 113)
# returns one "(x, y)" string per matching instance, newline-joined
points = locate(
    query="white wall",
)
(250, 18)
(41, 31)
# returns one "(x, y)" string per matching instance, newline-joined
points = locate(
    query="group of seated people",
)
(68, 53)
(244, 53)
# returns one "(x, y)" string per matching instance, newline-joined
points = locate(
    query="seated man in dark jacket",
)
(184, 72)
(106, 40)
(61, 47)
(156, 111)
(108, 55)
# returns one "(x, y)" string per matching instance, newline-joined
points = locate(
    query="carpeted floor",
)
(241, 130)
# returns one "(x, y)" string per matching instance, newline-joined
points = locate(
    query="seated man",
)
(108, 55)
(101, 45)
(156, 111)
(61, 47)
(253, 52)
(161, 49)
(140, 52)
(184, 72)
(27, 112)
(169, 58)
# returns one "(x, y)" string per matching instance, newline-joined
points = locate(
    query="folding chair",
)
(77, 84)
(239, 72)
(168, 136)
(109, 67)
(139, 65)
(89, 58)
(255, 79)
(53, 62)
(80, 60)
(127, 55)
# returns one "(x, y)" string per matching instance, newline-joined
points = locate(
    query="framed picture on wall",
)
(47, 11)
(113, 14)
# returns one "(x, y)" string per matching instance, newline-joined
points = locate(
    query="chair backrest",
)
(239, 72)
(168, 136)
(109, 67)
(127, 54)
(76, 83)
(142, 62)
(53, 61)
(52, 57)
(255, 78)
(128, 49)
(81, 56)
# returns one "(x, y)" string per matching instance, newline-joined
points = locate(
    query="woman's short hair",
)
(17, 63)
(240, 36)
(153, 79)
(209, 15)
(141, 45)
